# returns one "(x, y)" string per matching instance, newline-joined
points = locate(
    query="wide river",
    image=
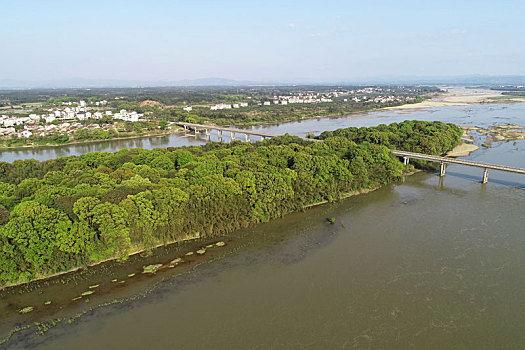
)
(426, 263)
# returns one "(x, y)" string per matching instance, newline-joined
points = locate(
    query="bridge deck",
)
(240, 131)
(457, 161)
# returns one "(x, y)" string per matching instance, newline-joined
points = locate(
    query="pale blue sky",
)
(259, 40)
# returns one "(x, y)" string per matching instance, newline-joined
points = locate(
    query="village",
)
(75, 118)
(359, 96)
(65, 120)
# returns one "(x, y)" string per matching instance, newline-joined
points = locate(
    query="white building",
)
(187, 108)
(25, 133)
(7, 131)
(220, 106)
(128, 116)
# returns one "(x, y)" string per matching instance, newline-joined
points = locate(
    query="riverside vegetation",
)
(74, 211)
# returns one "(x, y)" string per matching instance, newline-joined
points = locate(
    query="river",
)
(472, 115)
(427, 262)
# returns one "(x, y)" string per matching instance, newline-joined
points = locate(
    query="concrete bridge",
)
(444, 161)
(197, 128)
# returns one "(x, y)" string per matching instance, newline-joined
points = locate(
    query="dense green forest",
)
(74, 211)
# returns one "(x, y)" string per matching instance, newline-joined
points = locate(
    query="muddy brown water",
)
(427, 262)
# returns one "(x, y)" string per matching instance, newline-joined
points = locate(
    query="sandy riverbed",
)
(462, 150)
(458, 98)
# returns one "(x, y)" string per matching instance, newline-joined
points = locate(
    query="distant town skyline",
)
(270, 41)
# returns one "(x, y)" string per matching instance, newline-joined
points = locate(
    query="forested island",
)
(69, 212)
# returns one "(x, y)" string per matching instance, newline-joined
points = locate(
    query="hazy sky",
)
(259, 40)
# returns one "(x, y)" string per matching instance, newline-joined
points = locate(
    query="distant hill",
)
(109, 83)
(115, 83)
(452, 80)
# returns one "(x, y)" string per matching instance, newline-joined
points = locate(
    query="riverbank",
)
(171, 243)
(73, 143)
(81, 268)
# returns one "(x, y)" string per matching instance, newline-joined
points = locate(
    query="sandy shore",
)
(460, 98)
(462, 150)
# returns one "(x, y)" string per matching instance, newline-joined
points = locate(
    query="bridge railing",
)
(232, 131)
(445, 160)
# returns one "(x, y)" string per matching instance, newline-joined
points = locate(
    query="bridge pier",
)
(232, 136)
(443, 167)
(247, 137)
(406, 160)
(485, 175)
(219, 135)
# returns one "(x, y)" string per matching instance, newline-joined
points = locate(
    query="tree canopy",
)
(73, 211)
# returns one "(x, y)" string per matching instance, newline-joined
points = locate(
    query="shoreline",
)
(80, 268)
(21, 148)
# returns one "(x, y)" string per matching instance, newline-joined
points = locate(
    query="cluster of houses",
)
(48, 129)
(228, 106)
(129, 116)
(67, 118)
(301, 98)
(83, 103)
(359, 95)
